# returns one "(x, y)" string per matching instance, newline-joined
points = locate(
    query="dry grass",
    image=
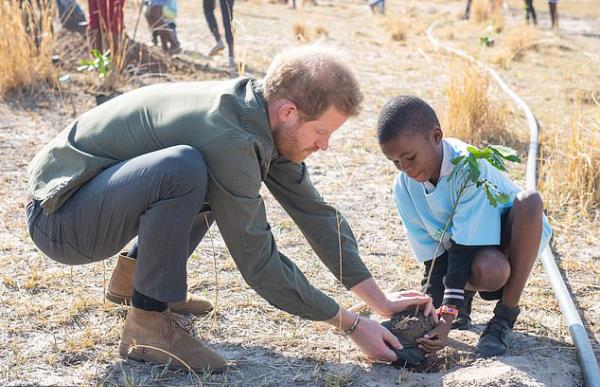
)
(301, 32)
(23, 63)
(481, 10)
(571, 164)
(396, 27)
(472, 115)
(497, 20)
(321, 31)
(269, 346)
(514, 43)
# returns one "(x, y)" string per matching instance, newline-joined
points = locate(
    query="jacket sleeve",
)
(460, 258)
(325, 229)
(240, 214)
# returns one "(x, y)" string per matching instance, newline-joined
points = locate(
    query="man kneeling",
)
(165, 161)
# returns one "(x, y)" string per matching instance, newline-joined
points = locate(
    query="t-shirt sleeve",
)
(421, 243)
(476, 221)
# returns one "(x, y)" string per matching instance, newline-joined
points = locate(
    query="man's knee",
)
(529, 204)
(490, 269)
(186, 163)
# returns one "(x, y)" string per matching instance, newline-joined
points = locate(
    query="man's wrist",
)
(353, 327)
(372, 295)
(344, 320)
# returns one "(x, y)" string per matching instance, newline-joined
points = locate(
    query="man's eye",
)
(410, 158)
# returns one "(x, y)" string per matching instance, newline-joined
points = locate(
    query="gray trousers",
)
(157, 197)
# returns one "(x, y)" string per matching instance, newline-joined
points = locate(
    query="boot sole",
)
(117, 299)
(144, 357)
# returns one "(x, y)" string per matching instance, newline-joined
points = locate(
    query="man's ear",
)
(287, 111)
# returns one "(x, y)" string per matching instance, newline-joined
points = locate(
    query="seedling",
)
(100, 63)
(406, 325)
(486, 40)
(466, 168)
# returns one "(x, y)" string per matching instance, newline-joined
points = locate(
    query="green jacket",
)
(227, 122)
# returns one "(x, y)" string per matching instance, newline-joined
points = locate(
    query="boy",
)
(161, 16)
(485, 249)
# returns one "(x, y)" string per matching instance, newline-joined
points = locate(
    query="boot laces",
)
(177, 321)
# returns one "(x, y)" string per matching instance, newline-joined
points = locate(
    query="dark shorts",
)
(436, 286)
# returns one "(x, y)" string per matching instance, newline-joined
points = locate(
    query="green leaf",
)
(457, 159)
(497, 162)
(503, 198)
(490, 196)
(474, 171)
(506, 152)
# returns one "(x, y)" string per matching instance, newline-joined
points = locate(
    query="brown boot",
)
(195, 305)
(157, 337)
(120, 290)
(120, 286)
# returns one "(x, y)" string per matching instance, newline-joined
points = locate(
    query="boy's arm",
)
(460, 258)
(421, 242)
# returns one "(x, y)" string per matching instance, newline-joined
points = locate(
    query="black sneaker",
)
(495, 339)
(463, 320)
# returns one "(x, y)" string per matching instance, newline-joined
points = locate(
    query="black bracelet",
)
(352, 327)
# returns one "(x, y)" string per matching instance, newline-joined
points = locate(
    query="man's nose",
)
(323, 143)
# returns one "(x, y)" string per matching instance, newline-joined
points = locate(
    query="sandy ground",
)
(56, 328)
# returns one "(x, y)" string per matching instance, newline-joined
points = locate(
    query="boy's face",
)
(419, 155)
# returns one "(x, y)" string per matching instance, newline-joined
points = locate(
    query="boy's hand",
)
(437, 338)
(399, 301)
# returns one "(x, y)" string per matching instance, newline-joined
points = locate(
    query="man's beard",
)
(287, 143)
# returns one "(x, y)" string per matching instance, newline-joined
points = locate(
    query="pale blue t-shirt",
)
(424, 209)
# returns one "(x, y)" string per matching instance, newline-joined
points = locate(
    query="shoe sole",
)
(117, 298)
(144, 357)
(216, 52)
(188, 313)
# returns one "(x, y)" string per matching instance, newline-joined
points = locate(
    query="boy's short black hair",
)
(403, 115)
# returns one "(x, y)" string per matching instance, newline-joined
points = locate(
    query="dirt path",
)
(57, 330)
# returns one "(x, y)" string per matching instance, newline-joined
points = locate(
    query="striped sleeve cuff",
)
(455, 297)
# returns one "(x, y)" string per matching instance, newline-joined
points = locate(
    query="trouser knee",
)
(185, 168)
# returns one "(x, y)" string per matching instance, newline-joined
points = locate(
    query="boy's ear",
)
(436, 134)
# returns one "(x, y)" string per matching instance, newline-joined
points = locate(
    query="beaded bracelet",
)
(445, 309)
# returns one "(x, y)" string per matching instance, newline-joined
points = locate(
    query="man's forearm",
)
(372, 295)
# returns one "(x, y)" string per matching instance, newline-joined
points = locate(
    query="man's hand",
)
(371, 337)
(436, 339)
(387, 305)
(399, 301)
